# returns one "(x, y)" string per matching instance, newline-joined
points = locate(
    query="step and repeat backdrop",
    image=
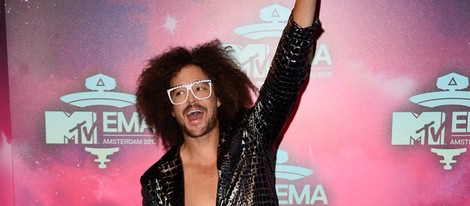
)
(384, 119)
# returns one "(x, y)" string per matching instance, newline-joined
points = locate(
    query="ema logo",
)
(255, 58)
(447, 131)
(97, 128)
(296, 194)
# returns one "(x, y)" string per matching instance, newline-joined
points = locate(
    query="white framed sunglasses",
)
(201, 89)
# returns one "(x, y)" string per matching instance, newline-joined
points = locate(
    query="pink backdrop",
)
(355, 139)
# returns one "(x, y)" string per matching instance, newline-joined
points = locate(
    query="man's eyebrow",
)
(184, 85)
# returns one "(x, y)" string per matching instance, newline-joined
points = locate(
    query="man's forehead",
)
(188, 74)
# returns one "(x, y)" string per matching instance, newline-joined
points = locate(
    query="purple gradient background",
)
(382, 53)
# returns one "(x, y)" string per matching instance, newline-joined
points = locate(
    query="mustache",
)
(194, 106)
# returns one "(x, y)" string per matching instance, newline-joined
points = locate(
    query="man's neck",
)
(200, 150)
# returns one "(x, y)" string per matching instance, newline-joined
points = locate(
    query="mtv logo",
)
(65, 128)
(409, 128)
(252, 58)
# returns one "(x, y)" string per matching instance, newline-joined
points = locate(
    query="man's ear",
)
(218, 102)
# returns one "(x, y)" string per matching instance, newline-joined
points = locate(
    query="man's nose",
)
(191, 97)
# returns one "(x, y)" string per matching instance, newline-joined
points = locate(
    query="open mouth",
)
(194, 114)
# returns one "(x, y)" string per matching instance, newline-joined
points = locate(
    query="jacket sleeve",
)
(289, 68)
(150, 194)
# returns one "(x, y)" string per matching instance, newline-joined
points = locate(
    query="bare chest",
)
(200, 185)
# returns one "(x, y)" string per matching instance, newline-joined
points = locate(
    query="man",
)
(222, 145)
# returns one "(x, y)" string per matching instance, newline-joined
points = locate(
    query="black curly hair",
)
(231, 85)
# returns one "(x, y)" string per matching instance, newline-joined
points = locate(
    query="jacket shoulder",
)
(169, 161)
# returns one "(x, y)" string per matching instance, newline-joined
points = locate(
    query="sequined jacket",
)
(246, 161)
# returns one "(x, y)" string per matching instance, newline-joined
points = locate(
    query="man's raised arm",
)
(304, 12)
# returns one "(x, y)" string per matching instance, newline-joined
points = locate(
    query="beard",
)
(210, 124)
